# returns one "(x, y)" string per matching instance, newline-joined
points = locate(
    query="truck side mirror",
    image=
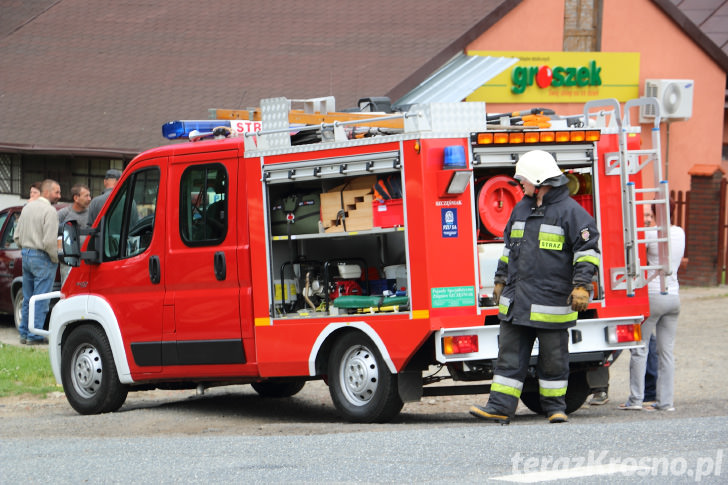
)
(71, 246)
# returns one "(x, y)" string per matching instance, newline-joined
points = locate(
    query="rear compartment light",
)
(562, 136)
(531, 137)
(577, 135)
(485, 138)
(500, 138)
(624, 333)
(460, 344)
(515, 137)
(547, 137)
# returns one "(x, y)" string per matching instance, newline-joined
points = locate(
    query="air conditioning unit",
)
(675, 97)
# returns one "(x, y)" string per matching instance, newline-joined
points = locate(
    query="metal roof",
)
(457, 79)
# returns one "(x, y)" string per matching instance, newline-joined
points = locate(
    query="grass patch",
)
(25, 370)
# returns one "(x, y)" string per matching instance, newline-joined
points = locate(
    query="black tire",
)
(88, 372)
(276, 389)
(361, 386)
(18, 308)
(576, 393)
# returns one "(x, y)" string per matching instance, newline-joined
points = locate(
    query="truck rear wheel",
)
(88, 372)
(361, 386)
(277, 389)
(576, 393)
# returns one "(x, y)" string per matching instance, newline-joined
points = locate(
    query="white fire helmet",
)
(539, 168)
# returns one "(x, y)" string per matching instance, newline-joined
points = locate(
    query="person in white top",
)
(664, 311)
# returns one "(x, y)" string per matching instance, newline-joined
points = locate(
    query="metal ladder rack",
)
(628, 162)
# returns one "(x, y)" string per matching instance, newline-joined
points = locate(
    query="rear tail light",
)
(624, 333)
(461, 344)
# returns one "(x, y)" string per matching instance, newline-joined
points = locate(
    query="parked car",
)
(11, 265)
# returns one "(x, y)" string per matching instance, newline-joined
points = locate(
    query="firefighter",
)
(542, 281)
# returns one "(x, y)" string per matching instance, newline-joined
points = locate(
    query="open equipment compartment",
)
(323, 243)
(497, 192)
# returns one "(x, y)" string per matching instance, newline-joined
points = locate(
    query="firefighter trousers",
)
(514, 354)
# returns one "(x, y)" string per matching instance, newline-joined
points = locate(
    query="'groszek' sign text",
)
(562, 77)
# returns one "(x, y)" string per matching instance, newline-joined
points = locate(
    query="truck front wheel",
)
(361, 386)
(88, 372)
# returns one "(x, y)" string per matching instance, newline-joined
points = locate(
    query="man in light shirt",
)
(37, 235)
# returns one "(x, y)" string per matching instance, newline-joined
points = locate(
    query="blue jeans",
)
(39, 272)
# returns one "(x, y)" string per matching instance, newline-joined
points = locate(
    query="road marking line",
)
(583, 471)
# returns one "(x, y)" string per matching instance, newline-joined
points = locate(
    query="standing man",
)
(543, 279)
(76, 212)
(110, 180)
(37, 234)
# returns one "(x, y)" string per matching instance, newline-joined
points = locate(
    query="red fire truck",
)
(357, 248)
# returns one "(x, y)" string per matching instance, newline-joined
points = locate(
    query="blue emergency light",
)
(174, 130)
(454, 157)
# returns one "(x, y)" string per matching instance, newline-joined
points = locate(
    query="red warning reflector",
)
(624, 333)
(461, 344)
(496, 200)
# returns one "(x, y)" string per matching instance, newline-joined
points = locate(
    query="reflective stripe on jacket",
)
(548, 250)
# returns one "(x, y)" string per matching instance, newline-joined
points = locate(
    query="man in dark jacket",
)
(543, 280)
(110, 180)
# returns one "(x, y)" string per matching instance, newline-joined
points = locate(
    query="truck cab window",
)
(129, 222)
(203, 205)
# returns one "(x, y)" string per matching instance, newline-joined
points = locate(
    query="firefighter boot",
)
(558, 417)
(486, 415)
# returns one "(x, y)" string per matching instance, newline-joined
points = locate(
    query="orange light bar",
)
(485, 138)
(461, 344)
(593, 135)
(500, 138)
(515, 137)
(547, 137)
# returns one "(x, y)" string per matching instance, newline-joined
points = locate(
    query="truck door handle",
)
(220, 266)
(154, 270)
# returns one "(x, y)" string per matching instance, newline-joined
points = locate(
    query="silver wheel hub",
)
(359, 375)
(87, 371)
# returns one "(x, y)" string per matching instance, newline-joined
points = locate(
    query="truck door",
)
(133, 248)
(202, 275)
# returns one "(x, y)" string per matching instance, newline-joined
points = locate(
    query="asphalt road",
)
(637, 452)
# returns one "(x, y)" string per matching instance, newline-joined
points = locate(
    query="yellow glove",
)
(579, 299)
(497, 290)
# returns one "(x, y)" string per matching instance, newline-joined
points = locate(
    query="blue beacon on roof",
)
(174, 130)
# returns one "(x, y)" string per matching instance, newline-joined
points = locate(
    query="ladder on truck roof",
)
(627, 162)
(314, 112)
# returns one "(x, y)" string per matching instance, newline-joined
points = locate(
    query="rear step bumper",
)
(589, 335)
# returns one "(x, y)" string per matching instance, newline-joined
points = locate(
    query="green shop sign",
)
(524, 76)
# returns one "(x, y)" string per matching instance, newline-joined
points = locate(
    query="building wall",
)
(665, 52)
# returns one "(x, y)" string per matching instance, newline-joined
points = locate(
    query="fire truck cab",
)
(361, 252)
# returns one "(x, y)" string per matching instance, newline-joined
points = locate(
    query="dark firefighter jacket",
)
(548, 251)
